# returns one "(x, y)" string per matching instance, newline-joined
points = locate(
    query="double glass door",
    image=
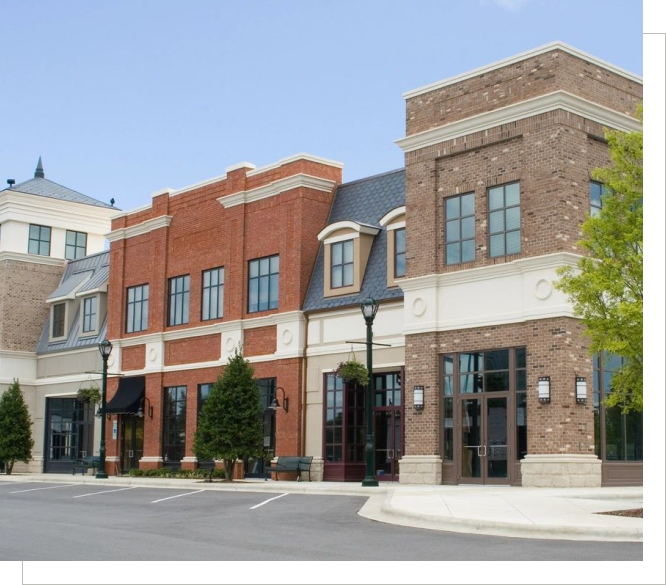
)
(132, 443)
(484, 439)
(388, 425)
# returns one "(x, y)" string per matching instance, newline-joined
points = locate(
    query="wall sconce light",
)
(275, 405)
(581, 390)
(544, 389)
(140, 413)
(418, 397)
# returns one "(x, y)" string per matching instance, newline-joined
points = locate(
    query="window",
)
(504, 220)
(400, 253)
(345, 422)
(203, 392)
(69, 433)
(597, 191)
(334, 417)
(460, 229)
(179, 300)
(89, 314)
(617, 436)
(342, 264)
(173, 443)
(75, 245)
(39, 240)
(212, 300)
(263, 285)
(58, 328)
(137, 308)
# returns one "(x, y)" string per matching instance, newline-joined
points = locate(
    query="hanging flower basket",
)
(353, 372)
(90, 393)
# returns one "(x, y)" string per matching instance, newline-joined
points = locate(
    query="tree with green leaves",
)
(15, 428)
(231, 421)
(606, 288)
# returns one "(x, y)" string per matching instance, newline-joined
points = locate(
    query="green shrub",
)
(183, 474)
(136, 472)
(200, 474)
(151, 473)
(165, 472)
(219, 473)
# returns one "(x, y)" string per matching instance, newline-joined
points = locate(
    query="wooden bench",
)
(85, 463)
(286, 464)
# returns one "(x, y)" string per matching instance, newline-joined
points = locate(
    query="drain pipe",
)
(304, 393)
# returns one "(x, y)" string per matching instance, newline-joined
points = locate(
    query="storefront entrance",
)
(69, 433)
(388, 426)
(132, 443)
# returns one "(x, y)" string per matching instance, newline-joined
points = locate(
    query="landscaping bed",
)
(634, 513)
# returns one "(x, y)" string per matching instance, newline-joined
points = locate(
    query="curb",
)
(379, 508)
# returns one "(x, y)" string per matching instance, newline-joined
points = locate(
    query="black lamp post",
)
(105, 349)
(369, 310)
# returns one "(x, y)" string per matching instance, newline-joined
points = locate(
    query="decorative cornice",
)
(557, 100)
(519, 266)
(294, 158)
(32, 258)
(359, 228)
(277, 187)
(555, 45)
(139, 229)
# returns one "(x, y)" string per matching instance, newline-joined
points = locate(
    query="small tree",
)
(606, 289)
(231, 423)
(15, 428)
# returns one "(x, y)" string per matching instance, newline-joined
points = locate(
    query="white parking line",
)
(53, 487)
(106, 492)
(178, 496)
(269, 500)
(13, 483)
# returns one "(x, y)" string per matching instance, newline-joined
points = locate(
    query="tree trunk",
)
(229, 465)
(10, 466)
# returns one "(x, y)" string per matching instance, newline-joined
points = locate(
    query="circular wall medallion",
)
(229, 345)
(419, 306)
(287, 336)
(152, 354)
(543, 289)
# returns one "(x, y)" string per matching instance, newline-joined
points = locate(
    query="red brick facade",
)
(205, 234)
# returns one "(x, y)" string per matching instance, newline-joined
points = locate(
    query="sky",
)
(124, 98)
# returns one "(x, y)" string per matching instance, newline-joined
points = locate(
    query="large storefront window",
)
(617, 436)
(175, 401)
(69, 433)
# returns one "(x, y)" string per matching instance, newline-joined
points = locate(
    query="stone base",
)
(421, 469)
(146, 463)
(316, 469)
(561, 471)
(189, 463)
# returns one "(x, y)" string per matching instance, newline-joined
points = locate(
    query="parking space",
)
(56, 521)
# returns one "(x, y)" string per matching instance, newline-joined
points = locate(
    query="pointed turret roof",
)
(39, 171)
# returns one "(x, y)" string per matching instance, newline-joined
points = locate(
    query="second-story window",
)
(212, 299)
(89, 314)
(400, 253)
(39, 240)
(75, 245)
(137, 308)
(342, 264)
(58, 327)
(179, 300)
(597, 191)
(459, 232)
(504, 220)
(264, 284)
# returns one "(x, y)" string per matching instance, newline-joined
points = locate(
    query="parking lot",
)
(56, 521)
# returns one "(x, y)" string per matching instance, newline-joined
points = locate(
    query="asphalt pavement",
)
(60, 521)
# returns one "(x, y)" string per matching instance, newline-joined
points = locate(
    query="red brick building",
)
(203, 270)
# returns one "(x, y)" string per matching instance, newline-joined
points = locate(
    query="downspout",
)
(304, 385)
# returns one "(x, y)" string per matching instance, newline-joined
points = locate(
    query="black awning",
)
(128, 397)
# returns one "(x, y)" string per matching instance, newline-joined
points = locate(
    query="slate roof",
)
(46, 188)
(364, 201)
(94, 267)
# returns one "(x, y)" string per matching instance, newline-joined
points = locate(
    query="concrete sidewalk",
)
(563, 514)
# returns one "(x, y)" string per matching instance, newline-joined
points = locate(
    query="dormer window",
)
(347, 247)
(58, 320)
(342, 264)
(89, 315)
(396, 251)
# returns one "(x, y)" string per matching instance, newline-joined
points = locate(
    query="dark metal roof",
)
(364, 201)
(46, 188)
(95, 267)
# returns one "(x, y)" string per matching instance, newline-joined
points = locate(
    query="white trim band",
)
(139, 229)
(277, 187)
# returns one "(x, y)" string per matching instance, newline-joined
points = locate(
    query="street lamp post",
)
(105, 349)
(369, 310)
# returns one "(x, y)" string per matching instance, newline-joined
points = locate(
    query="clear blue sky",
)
(123, 98)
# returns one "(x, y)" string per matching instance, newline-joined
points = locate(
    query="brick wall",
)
(555, 348)
(134, 358)
(24, 288)
(260, 341)
(189, 351)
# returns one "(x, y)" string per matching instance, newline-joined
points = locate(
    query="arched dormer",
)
(347, 247)
(394, 223)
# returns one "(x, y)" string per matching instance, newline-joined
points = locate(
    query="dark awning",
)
(129, 396)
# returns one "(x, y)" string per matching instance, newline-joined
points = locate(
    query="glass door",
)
(132, 442)
(388, 425)
(471, 440)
